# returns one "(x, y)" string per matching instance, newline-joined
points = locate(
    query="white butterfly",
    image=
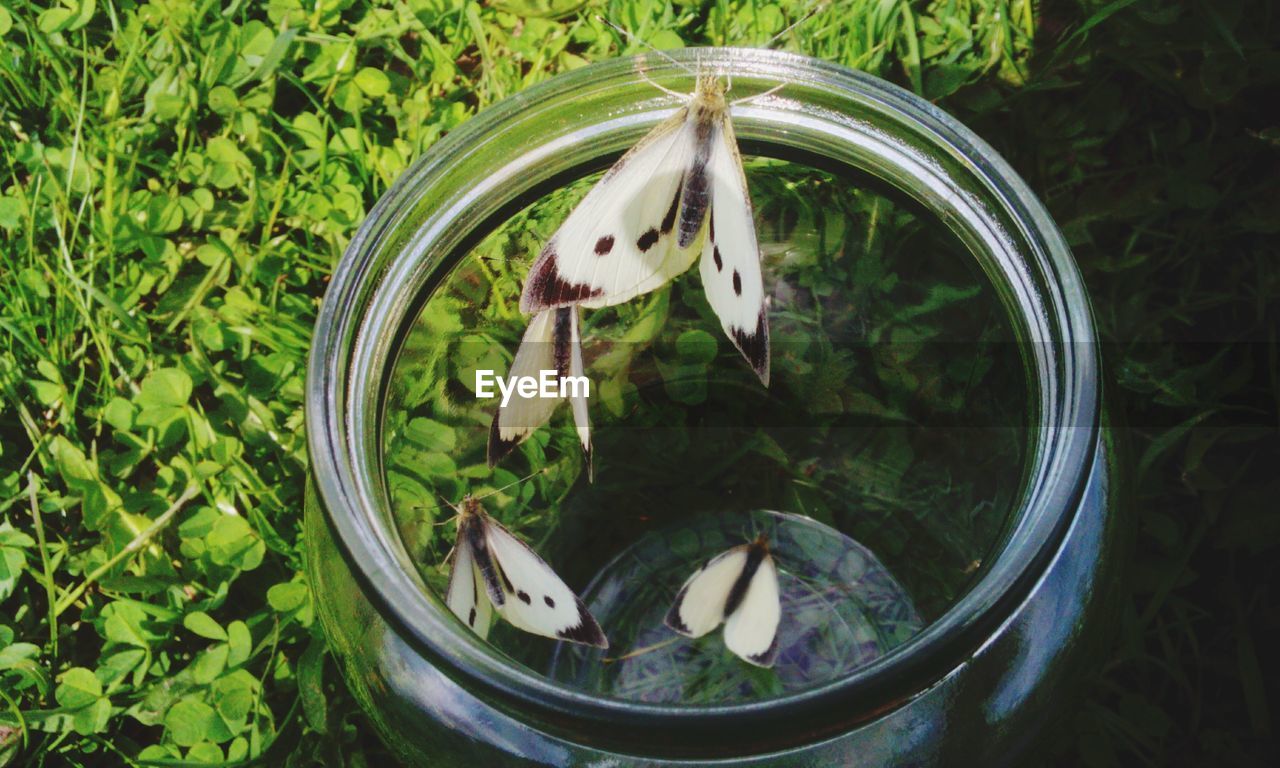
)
(493, 571)
(681, 191)
(740, 588)
(551, 342)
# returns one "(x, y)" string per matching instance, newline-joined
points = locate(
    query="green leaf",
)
(78, 687)
(13, 559)
(93, 718)
(189, 721)
(206, 752)
(431, 435)
(203, 625)
(373, 82)
(71, 461)
(98, 501)
(696, 346)
(209, 664)
(233, 699)
(239, 643)
(54, 20)
(119, 414)
(223, 100)
(86, 9)
(13, 655)
(233, 542)
(274, 55)
(165, 387)
(287, 597)
(123, 624)
(11, 209)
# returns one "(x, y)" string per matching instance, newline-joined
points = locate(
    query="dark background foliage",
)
(179, 179)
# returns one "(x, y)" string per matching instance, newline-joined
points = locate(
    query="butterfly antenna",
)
(761, 95)
(642, 651)
(646, 44)
(425, 508)
(808, 15)
(529, 476)
(645, 76)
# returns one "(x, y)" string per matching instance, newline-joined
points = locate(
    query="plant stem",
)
(133, 546)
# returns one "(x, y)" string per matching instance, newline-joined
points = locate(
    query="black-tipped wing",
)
(699, 606)
(537, 600)
(751, 630)
(620, 241)
(730, 265)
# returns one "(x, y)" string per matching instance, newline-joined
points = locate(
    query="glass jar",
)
(973, 686)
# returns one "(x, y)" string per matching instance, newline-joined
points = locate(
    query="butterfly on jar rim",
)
(677, 195)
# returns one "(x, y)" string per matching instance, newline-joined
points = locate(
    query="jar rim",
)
(368, 297)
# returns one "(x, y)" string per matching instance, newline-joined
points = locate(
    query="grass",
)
(179, 179)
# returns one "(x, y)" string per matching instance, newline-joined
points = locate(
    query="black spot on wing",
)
(471, 618)
(755, 346)
(604, 245)
(586, 631)
(715, 254)
(647, 240)
(547, 599)
(737, 283)
(524, 597)
(669, 220)
(545, 288)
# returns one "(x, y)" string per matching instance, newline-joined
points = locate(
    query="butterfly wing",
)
(699, 605)
(751, 630)
(537, 600)
(618, 242)
(730, 265)
(466, 595)
(551, 342)
(578, 394)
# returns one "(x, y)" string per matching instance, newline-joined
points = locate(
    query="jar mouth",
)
(581, 120)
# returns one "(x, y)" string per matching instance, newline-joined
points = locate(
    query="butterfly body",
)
(552, 341)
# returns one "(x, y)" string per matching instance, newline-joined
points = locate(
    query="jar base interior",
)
(841, 609)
